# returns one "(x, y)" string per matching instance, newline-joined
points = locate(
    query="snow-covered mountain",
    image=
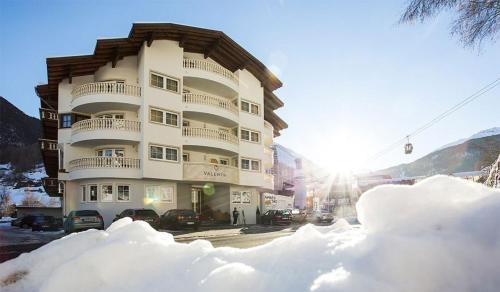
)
(485, 133)
(471, 154)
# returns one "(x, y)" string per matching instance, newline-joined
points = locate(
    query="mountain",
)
(473, 154)
(19, 135)
(485, 133)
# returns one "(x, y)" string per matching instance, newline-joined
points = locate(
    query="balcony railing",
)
(202, 171)
(48, 114)
(104, 162)
(106, 124)
(210, 67)
(211, 134)
(46, 144)
(106, 88)
(210, 100)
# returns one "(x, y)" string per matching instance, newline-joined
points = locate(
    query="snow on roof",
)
(440, 234)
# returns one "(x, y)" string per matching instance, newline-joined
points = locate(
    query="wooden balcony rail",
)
(210, 67)
(47, 144)
(212, 134)
(48, 182)
(210, 100)
(106, 124)
(104, 162)
(48, 114)
(106, 88)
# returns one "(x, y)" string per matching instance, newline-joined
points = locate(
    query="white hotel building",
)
(169, 117)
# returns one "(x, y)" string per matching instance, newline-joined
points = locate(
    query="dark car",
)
(83, 220)
(178, 218)
(25, 221)
(274, 217)
(147, 215)
(45, 223)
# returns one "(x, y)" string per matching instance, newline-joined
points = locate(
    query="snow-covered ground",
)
(33, 178)
(441, 234)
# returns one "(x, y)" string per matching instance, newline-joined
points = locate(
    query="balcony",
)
(99, 166)
(210, 138)
(210, 104)
(91, 97)
(105, 129)
(48, 145)
(208, 76)
(208, 172)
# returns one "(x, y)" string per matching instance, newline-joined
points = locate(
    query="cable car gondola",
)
(408, 146)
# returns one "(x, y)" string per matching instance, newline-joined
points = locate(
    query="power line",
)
(437, 119)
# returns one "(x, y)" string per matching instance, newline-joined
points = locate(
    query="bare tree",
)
(30, 200)
(476, 19)
(6, 206)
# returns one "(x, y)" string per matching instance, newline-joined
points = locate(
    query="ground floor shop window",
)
(163, 194)
(107, 193)
(241, 197)
(123, 193)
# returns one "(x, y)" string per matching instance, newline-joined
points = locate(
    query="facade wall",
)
(166, 58)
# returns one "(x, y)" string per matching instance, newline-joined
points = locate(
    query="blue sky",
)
(354, 80)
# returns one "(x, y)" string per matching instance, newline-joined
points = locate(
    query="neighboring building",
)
(171, 116)
(46, 211)
(283, 170)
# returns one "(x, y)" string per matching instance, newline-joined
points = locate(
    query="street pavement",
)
(14, 241)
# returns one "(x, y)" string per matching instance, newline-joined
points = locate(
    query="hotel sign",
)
(210, 172)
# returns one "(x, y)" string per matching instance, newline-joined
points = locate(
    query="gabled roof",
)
(212, 43)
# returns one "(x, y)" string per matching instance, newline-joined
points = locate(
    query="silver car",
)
(83, 220)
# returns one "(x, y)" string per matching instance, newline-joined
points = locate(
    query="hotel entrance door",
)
(197, 200)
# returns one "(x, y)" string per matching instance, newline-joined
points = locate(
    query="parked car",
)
(147, 215)
(180, 218)
(25, 221)
(322, 217)
(45, 223)
(83, 220)
(274, 217)
(298, 216)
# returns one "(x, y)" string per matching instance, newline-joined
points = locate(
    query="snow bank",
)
(439, 235)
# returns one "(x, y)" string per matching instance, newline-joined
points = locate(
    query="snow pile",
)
(442, 234)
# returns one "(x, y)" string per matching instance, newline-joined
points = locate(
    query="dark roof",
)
(212, 43)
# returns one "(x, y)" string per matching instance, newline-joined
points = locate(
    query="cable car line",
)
(437, 119)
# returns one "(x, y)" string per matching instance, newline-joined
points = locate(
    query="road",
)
(14, 241)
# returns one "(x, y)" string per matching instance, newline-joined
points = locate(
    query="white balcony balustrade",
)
(106, 124)
(104, 162)
(210, 100)
(106, 88)
(210, 67)
(211, 134)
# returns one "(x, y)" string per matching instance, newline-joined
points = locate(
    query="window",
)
(185, 157)
(106, 193)
(164, 82)
(245, 135)
(250, 164)
(224, 161)
(254, 137)
(249, 135)
(163, 153)
(156, 116)
(171, 119)
(110, 152)
(255, 165)
(123, 193)
(185, 123)
(93, 193)
(156, 80)
(250, 107)
(84, 193)
(171, 154)
(245, 164)
(254, 109)
(66, 121)
(156, 152)
(160, 193)
(163, 117)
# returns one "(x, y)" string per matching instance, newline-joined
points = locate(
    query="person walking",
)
(235, 216)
